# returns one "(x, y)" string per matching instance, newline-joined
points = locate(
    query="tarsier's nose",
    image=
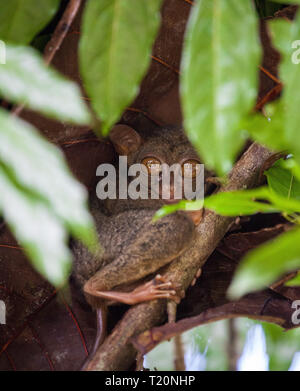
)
(168, 194)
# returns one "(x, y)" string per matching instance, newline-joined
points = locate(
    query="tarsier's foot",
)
(197, 275)
(158, 288)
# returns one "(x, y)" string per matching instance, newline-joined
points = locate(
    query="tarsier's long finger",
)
(158, 288)
(167, 295)
(163, 282)
(158, 279)
(156, 283)
(168, 292)
(177, 295)
(164, 285)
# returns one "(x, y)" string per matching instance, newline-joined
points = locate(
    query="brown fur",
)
(134, 246)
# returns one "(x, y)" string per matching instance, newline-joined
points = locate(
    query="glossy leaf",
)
(265, 264)
(281, 346)
(37, 229)
(25, 79)
(286, 39)
(294, 281)
(283, 181)
(115, 48)
(21, 20)
(237, 203)
(219, 77)
(181, 205)
(39, 167)
(286, 1)
(293, 166)
(267, 130)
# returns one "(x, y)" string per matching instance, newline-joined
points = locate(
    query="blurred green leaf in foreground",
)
(39, 198)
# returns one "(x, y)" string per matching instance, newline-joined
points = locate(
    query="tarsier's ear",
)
(125, 139)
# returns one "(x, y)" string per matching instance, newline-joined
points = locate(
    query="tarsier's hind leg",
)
(156, 245)
(157, 288)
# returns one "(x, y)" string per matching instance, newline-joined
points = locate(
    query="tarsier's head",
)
(154, 150)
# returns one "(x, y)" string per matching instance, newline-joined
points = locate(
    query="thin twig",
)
(189, 2)
(61, 30)
(147, 115)
(232, 344)
(179, 363)
(269, 74)
(160, 61)
(57, 39)
(271, 95)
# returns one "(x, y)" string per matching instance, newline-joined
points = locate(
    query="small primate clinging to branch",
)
(135, 248)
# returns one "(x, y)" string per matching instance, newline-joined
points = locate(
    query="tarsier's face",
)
(159, 151)
(169, 147)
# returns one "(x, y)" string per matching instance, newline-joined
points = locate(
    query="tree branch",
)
(57, 38)
(267, 306)
(117, 351)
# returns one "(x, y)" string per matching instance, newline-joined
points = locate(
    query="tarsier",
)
(135, 248)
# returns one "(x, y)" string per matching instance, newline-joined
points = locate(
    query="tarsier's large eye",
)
(190, 168)
(153, 165)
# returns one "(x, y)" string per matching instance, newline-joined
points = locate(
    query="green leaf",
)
(181, 205)
(237, 203)
(37, 229)
(293, 166)
(283, 181)
(286, 1)
(39, 167)
(21, 20)
(242, 202)
(115, 47)
(265, 264)
(268, 130)
(219, 78)
(25, 79)
(281, 346)
(285, 35)
(294, 281)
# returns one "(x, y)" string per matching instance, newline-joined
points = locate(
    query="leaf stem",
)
(57, 39)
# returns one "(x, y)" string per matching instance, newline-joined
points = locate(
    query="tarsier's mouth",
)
(170, 201)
